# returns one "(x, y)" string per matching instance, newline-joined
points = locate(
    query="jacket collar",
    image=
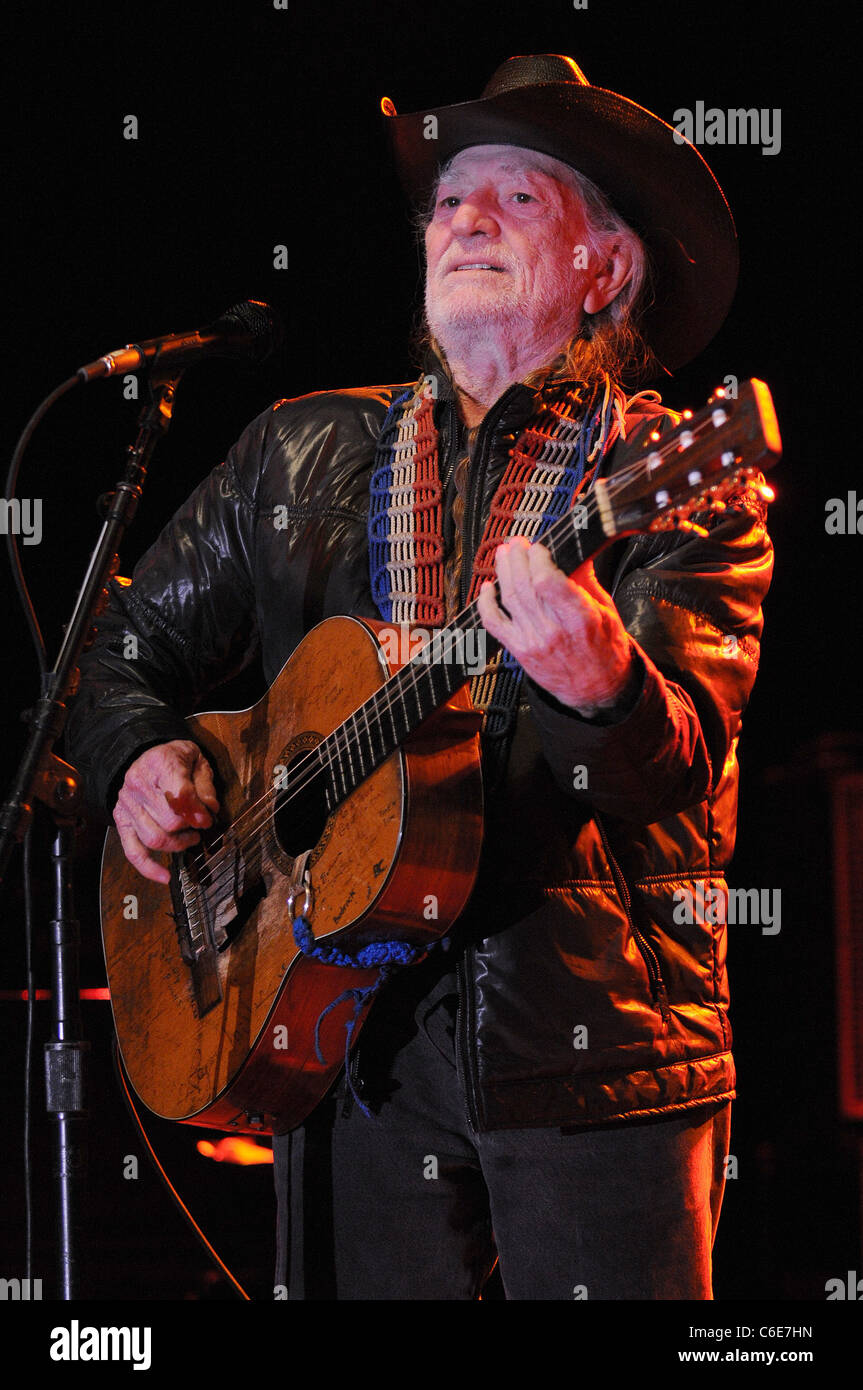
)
(513, 408)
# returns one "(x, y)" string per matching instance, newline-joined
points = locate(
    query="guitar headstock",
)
(694, 467)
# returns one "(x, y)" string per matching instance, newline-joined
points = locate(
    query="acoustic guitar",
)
(351, 798)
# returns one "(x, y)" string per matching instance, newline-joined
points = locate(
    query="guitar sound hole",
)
(301, 809)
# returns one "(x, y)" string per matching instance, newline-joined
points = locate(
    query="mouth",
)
(477, 265)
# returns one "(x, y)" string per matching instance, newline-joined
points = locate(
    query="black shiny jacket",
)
(582, 999)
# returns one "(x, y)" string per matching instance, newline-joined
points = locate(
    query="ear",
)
(609, 277)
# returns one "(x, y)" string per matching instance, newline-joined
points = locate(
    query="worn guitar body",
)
(228, 1041)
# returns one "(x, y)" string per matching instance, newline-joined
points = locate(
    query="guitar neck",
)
(658, 486)
(407, 698)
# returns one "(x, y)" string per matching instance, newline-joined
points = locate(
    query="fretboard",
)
(374, 731)
(659, 483)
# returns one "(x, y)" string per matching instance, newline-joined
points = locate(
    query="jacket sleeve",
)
(184, 623)
(692, 607)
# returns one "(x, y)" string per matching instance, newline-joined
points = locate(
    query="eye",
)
(450, 201)
(524, 197)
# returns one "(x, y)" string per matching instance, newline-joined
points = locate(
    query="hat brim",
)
(655, 179)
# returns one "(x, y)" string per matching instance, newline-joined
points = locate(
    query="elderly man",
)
(554, 1090)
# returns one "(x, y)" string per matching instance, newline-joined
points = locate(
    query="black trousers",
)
(414, 1204)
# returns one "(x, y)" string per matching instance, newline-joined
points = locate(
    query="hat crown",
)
(533, 70)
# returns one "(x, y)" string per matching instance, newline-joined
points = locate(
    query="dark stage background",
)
(260, 127)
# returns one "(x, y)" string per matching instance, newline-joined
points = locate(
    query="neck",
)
(482, 371)
(471, 411)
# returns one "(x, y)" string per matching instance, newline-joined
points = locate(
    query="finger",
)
(195, 797)
(585, 577)
(599, 605)
(138, 857)
(549, 582)
(143, 791)
(511, 560)
(548, 603)
(151, 834)
(204, 784)
(187, 805)
(494, 619)
(513, 568)
(163, 787)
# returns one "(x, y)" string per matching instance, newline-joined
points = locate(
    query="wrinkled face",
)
(502, 248)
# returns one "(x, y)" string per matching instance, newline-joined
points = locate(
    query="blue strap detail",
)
(376, 954)
(361, 998)
(384, 956)
(379, 496)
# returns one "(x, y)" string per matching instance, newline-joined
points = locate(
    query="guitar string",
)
(419, 665)
(387, 697)
(219, 864)
(340, 738)
(220, 867)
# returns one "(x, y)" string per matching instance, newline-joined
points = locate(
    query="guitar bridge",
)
(195, 935)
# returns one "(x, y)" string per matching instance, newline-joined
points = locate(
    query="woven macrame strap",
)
(405, 515)
(551, 460)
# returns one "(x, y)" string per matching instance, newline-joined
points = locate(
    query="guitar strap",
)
(556, 455)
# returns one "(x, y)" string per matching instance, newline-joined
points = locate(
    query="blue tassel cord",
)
(384, 956)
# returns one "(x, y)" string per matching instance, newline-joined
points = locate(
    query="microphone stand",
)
(42, 774)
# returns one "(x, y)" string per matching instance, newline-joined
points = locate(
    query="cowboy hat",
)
(655, 179)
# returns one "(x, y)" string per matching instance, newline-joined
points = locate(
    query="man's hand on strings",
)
(565, 633)
(166, 797)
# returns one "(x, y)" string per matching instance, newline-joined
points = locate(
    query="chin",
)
(473, 313)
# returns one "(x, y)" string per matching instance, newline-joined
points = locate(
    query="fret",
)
(336, 764)
(375, 755)
(363, 710)
(435, 650)
(441, 678)
(323, 752)
(346, 785)
(329, 790)
(550, 541)
(393, 696)
(348, 748)
(574, 538)
(415, 685)
(391, 712)
(359, 734)
(439, 685)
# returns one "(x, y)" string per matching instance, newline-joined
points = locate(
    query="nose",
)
(475, 213)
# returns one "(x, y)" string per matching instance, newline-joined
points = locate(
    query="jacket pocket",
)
(658, 990)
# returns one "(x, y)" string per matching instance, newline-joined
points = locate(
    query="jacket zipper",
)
(463, 1033)
(470, 521)
(471, 511)
(651, 960)
(477, 476)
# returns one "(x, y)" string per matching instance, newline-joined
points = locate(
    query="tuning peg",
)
(745, 477)
(708, 501)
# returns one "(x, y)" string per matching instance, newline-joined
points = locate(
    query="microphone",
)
(251, 330)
